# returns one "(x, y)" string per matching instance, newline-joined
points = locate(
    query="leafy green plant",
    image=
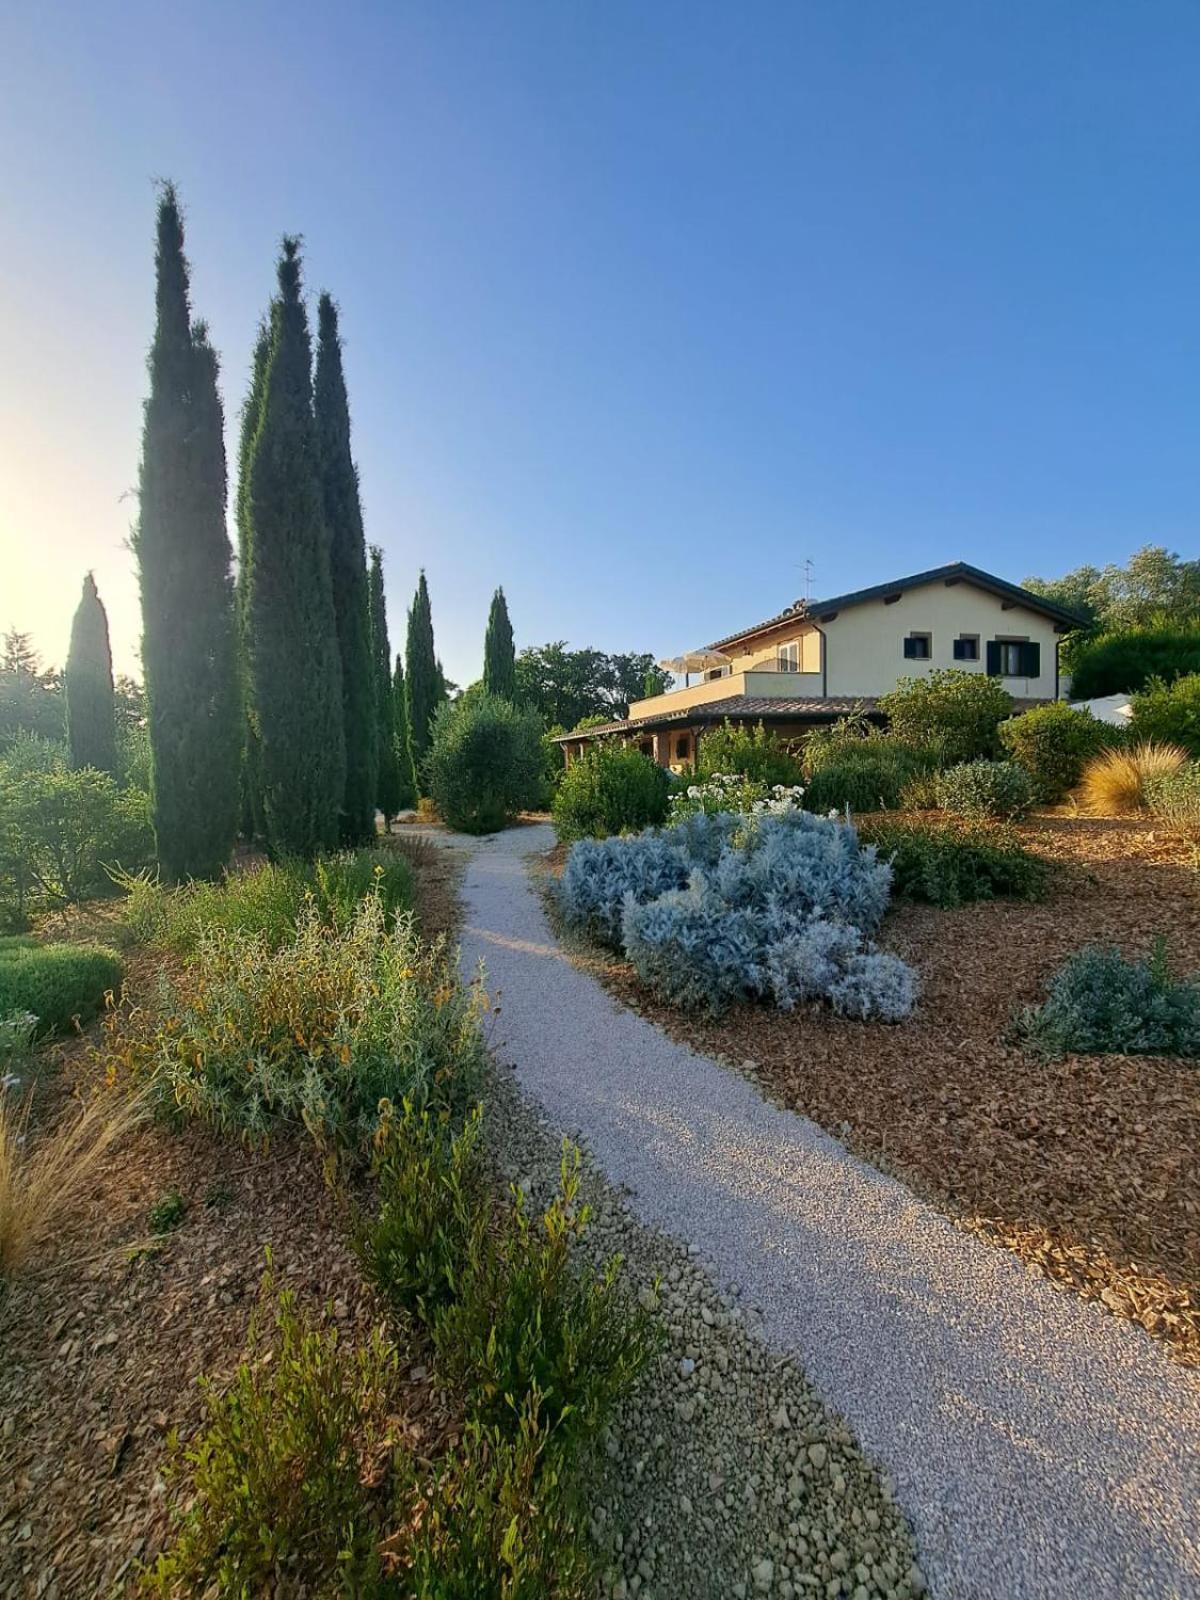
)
(752, 752)
(1053, 743)
(960, 711)
(1175, 797)
(1169, 713)
(167, 1214)
(610, 789)
(284, 1476)
(57, 983)
(950, 861)
(1102, 1003)
(985, 789)
(485, 763)
(871, 772)
(1122, 660)
(316, 1032)
(18, 1030)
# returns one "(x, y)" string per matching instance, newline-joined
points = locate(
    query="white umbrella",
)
(695, 661)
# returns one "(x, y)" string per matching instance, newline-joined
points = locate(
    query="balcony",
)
(764, 680)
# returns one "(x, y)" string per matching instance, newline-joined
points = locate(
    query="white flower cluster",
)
(733, 791)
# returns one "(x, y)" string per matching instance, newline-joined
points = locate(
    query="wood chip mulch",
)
(1088, 1168)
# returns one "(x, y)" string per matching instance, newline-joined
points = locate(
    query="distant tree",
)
(293, 669)
(183, 557)
(1156, 587)
(499, 657)
(424, 680)
(388, 789)
(88, 682)
(567, 685)
(348, 573)
(401, 742)
(31, 700)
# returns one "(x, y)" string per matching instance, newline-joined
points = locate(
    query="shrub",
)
(1169, 713)
(18, 1030)
(316, 1032)
(269, 900)
(751, 752)
(61, 830)
(985, 789)
(1053, 743)
(1119, 782)
(610, 789)
(694, 952)
(553, 763)
(958, 710)
(601, 873)
(284, 1476)
(722, 792)
(949, 862)
(1100, 1003)
(869, 774)
(57, 983)
(1175, 797)
(1121, 662)
(44, 1179)
(875, 987)
(485, 763)
(806, 865)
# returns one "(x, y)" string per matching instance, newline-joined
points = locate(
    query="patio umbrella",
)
(695, 661)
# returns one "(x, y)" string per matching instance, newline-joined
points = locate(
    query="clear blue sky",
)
(644, 303)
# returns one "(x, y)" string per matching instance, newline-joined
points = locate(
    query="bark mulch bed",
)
(1087, 1168)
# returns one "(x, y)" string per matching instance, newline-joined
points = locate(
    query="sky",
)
(645, 304)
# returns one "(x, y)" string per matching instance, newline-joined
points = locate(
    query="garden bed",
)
(1084, 1167)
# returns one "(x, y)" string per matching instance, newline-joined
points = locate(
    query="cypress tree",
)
(424, 685)
(348, 573)
(182, 548)
(88, 686)
(402, 744)
(499, 656)
(387, 786)
(293, 670)
(253, 823)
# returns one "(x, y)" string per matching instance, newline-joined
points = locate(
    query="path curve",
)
(1040, 1447)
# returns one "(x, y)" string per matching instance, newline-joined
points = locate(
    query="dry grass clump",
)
(43, 1179)
(1114, 784)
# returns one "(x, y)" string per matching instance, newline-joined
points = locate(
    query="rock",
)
(763, 1575)
(818, 1455)
(916, 1579)
(686, 1367)
(780, 1421)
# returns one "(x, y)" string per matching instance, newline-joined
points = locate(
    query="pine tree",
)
(401, 742)
(293, 670)
(424, 684)
(387, 788)
(499, 656)
(88, 685)
(183, 555)
(348, 572)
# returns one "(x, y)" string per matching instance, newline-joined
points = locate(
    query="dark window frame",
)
(915, 638)
(971, 639)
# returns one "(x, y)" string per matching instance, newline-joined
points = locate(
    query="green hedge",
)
(950, 862)
(56, 982)
(610, 789)
(1122, 662)
(1169, 713)
(1054, 743)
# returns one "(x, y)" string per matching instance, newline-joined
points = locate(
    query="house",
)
(818, 659)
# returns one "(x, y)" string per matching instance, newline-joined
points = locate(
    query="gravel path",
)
(1040, 1447)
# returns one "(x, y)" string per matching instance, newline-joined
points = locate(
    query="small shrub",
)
(875, 987)
(693, 952)
(1100, 1003)
(871, 772)
(610, 789)
(957, 710)
(1053, 743)
(315, 1033)
(485, 763)
(1175, 797)
(18, 1030)
(1123, 661)
(722, 792)
(950, 862)
(167, 1214)
(985, 789)
(750, 752)
(59, 983)
(1169, 713)
(601, 874)
(553, 763)
(1119, 782)
(284, 1477)
(44, 1178)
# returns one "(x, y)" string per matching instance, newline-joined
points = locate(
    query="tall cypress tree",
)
(348, 572)
(183, 555)
(387, 785)
(499, 656)
(423, 683)
(88, 686)
(253, 823)
(293, 669)
(401, 742)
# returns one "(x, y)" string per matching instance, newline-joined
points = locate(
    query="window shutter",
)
(993, 658)
(910, 649)
(1031, 660)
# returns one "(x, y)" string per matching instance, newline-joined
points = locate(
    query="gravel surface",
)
(1038, 1447)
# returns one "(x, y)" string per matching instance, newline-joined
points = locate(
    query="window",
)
(789, 657)
(1014, 658)
(647, 747)
(966, 647)
(918, 647)
(682, 746)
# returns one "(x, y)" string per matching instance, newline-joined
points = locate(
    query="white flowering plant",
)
(722, 792)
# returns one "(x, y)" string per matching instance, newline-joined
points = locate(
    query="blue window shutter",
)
(910, 649)
(993, 657)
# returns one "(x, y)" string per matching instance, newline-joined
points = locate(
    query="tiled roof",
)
(737, 705)
(955, 572)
